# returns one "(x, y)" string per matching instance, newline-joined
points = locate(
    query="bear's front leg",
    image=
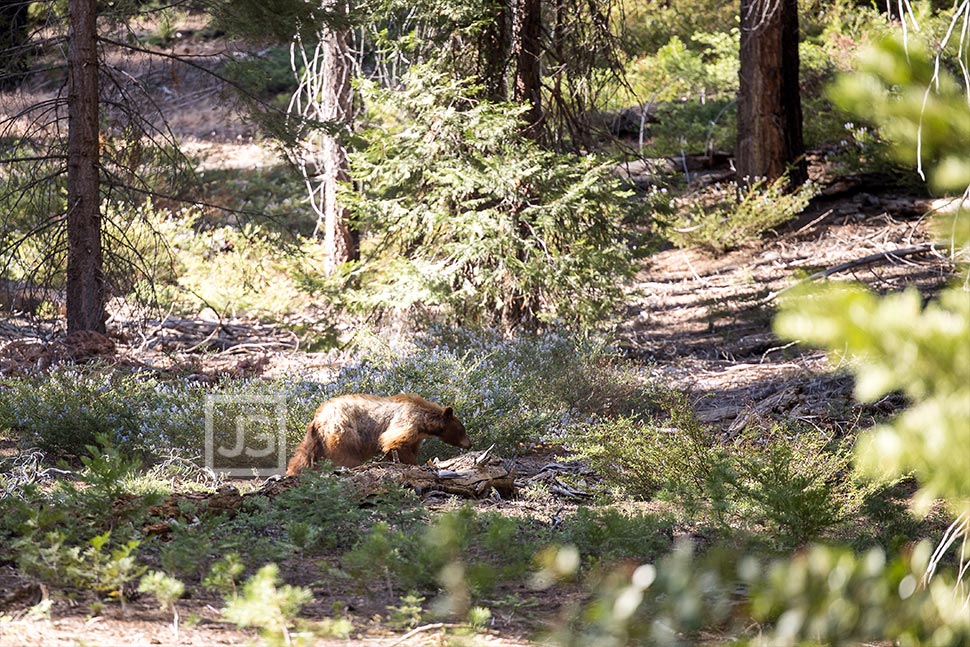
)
(408, 454)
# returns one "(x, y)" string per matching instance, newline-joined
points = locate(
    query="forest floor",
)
(696, 320)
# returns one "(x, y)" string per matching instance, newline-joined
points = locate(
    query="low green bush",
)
(464, 555)
(703, 67)
(268, 605)
(784, 485)
(671, 452)
(647, 25)
(724, 216)
(389, 558)
(791, 486)
(64, 412)
(607, 535)
(94, 564)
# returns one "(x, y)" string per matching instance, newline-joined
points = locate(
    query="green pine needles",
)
(462, 214)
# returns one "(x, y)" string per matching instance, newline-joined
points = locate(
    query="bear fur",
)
(351, 429)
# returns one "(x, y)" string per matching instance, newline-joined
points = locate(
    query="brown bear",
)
(350, 429)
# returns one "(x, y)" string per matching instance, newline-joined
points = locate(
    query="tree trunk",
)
(85, 278)
(769, 103)
(340, 241)
(526, 48)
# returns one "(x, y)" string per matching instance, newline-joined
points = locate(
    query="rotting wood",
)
(550, 476)
(474, 475)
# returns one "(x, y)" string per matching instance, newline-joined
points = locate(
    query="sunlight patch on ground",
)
(230, 155)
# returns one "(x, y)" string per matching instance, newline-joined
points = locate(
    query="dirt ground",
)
(703, 321)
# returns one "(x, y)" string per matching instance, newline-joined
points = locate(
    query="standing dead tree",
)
(324, 98)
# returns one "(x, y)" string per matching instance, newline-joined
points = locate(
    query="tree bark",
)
(85, 276)
(769, 103)
(526, 48)
(340, 240)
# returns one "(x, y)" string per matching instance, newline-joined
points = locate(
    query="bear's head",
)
(452, 431)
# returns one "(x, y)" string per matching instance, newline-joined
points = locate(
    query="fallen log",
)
(475, 475)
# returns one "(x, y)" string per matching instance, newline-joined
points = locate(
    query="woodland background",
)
(693, 275)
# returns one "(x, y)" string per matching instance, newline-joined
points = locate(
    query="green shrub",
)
(249, 270)
(464, 554)
(224, 574)
(675, 454)
(790, 485)
(901, 344)
(54, 529)
(918, 106)
(408, 614)
(707, 70)
(186, 553)
(52, 558)
(793, 485)
(467, 216)
(265, 604)
(319, 513)
(167, 590)
(325, 504)
(647, 25)
(725, 215)
(106, 470)
(609, 535)
(691, 127)
(472, 553)
(65, 411)
(391, 558)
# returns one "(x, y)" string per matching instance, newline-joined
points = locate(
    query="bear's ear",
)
(449, 412)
